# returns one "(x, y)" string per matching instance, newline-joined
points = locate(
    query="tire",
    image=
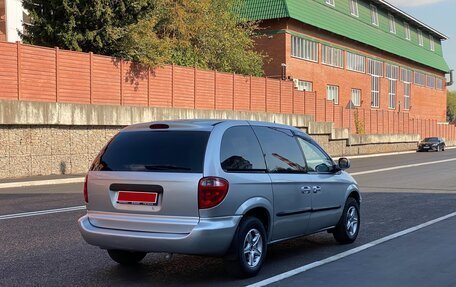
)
(247, 264)
(126, 258)
(343, 232)
(443, 148)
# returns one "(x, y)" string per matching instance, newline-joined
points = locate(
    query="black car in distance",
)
(432, 144)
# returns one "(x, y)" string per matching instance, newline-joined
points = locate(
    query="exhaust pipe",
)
(450, 83)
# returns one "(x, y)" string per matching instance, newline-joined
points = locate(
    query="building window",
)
(332, 93)
(406, 77)
(356, 97)
(392, 73)
(420, 79)
(354, 8)
(332, 56)
(375, 69)
(392, 23)
(420, 38)
(304, 85)
(304, 49)
(439, 84)
(356, 62)
(431, 82)
(374, 15)
(431, 39)
(331, 2)
(407, 93)
(408, 35)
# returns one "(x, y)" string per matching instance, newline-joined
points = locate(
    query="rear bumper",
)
(212, 236)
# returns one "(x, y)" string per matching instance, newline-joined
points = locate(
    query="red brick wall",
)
(425, 102)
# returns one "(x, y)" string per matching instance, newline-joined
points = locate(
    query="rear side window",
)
(283, 154)
(155, 151)
(240, 151)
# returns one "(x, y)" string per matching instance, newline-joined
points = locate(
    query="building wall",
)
(14, 16)
(426, 103)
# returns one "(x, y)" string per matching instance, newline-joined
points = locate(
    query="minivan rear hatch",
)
(147, 180)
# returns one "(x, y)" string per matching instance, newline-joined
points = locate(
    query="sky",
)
(440, 15)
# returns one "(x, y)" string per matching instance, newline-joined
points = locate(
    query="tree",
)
(451, 105)
(206, 34)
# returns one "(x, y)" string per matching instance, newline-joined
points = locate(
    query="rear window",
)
(155, 151)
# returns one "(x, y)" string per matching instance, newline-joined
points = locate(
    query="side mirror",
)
(344, 163)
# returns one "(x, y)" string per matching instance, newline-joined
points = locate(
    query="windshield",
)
(155, 151)
(431, 140)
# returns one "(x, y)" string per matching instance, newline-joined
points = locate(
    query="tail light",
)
(86, 195)
(211, 191)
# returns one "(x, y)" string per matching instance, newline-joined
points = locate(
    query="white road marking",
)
(402, 166)
(339, 256)
(41, 182)
(42, 212)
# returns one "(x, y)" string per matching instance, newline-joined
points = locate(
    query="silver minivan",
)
(215, 187)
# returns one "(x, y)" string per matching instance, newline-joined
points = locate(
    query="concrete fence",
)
(32, 73)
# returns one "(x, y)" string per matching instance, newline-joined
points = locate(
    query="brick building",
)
(369, 52)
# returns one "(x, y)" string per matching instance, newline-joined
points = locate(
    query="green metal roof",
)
(318, 14)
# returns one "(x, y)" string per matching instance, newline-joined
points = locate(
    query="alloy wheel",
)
(253, 247)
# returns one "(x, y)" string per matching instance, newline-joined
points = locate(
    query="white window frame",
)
(374, 16)
(375, 91)
(430, 81)
(408, 34)
(355, 62)
(432, 43)
(356, 95)
(304, 49)
(420, 79)
(332, 93)
(374, 67)
(439, 84)
(354, 9)
(332, 56)
(392, 92)
(331, 2)
(420, 38)
(392, 23)
(407, 95)
(305, 86)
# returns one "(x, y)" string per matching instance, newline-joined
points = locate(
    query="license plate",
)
(426, 147)
(137, 198)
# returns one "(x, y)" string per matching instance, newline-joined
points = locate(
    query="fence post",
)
(232, 95)
(172, 85)
(18, 51)
(250, 93)
(194, 87)
(215, 90)
(148, 86)
(56, 74)
(91, 77)
(121, 83)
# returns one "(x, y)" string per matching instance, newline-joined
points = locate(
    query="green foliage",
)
(206, 33)
(451, 105)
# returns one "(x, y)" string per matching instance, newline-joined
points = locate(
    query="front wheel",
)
(248, 249)
(124, 257)
(347, 228)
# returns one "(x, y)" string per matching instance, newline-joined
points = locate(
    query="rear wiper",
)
(166, 167)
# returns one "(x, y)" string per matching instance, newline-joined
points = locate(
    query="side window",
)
(281, 149)
(240, 151)
(317, 161)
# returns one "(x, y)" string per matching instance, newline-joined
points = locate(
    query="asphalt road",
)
(47, 250)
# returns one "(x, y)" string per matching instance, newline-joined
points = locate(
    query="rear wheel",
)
(124, 257)
(248, 249)
(347, 229)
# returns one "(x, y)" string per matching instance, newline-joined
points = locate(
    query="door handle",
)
(316, 189)
(305, 189)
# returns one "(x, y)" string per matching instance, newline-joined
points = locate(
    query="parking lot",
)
(399, 192)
